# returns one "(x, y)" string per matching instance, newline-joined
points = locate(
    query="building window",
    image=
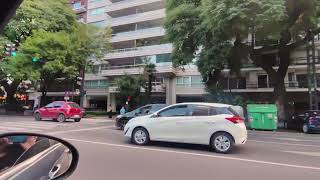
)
(77, 5)
(96, 84)
(97, 11)
(263, 81)
(163, 58)
(189, 81)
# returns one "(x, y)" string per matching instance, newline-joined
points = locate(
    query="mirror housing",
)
(23, 153)
(155, 115)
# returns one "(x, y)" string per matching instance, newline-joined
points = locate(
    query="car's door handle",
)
(210, 122)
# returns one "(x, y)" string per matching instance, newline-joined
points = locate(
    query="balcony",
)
(140, 51)
(135, 18)
(138, 34)
(158, 87)
(291, 86)
(127, 4)
(97, 4)
(134, 70)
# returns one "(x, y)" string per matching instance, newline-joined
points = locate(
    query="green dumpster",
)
(262, 116)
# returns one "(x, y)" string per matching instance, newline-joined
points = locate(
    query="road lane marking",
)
(198, 154)
(315, 154)
(79, 130)
(287, 144)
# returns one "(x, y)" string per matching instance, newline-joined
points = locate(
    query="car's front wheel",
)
(37, 117)
(222, 143)
(77, 120)
(140, 136)
(305, 128)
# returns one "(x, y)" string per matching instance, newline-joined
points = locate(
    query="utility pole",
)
(82, 92)
(314, 74)
(309, 76)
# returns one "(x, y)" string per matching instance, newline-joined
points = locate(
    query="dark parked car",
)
(306, 122)
(122, 120)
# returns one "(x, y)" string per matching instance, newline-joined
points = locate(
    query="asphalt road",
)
(104, 154)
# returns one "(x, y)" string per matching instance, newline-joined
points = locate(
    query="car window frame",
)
(191, 110)
(173, 107)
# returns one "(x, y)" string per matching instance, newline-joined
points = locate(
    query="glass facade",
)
(97, 11)
(189, 81)
(96, 84)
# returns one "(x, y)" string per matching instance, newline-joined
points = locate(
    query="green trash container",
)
(262, 116)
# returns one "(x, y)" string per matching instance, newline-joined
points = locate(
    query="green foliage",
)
(214, 32)
(48, 15)
(47, 31)
(129, 86)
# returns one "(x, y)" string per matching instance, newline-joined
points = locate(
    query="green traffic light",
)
(14, 54)
(35, 59)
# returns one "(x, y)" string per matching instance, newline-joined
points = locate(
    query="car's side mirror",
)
(23, 153)
(293, 117)
(155, 115)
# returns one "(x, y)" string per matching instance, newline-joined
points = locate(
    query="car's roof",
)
(206, 104)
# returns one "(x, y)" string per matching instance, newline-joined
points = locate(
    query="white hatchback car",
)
(216, 125)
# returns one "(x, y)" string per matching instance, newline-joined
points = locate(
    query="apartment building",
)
(138, 35)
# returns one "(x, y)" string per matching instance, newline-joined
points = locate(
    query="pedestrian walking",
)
(109, 111)
(122, 111)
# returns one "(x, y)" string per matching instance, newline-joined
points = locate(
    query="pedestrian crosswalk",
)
(27, 126)
(46, 126)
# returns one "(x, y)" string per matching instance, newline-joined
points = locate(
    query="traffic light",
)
(35, 59)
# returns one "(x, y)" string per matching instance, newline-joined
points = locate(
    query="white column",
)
(171, 96)
(86, 103)
(112, 101)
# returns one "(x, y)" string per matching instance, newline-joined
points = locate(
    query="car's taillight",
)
(235, 119)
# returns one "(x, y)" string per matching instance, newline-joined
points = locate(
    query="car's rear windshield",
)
(73, 105)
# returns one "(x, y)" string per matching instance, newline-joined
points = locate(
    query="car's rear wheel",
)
(37, 117)
(305, 128)
(140, 136)
(77, 120)
(61, 118)
(222, 142)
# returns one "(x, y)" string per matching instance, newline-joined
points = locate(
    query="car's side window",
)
(145, 110)
(57, 105)
(180, 110)
(49, 105)
(198, 110)
(219, 110)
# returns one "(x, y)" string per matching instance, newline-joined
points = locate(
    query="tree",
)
(89, 44)
(149, 75)
(52, 16)
(31, 16)
(215, 32)
(45, 30)
(129, 86)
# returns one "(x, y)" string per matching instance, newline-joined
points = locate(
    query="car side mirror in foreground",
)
(36, 156)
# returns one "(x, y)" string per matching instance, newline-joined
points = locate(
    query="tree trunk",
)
(149, 89)
(280, 98)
